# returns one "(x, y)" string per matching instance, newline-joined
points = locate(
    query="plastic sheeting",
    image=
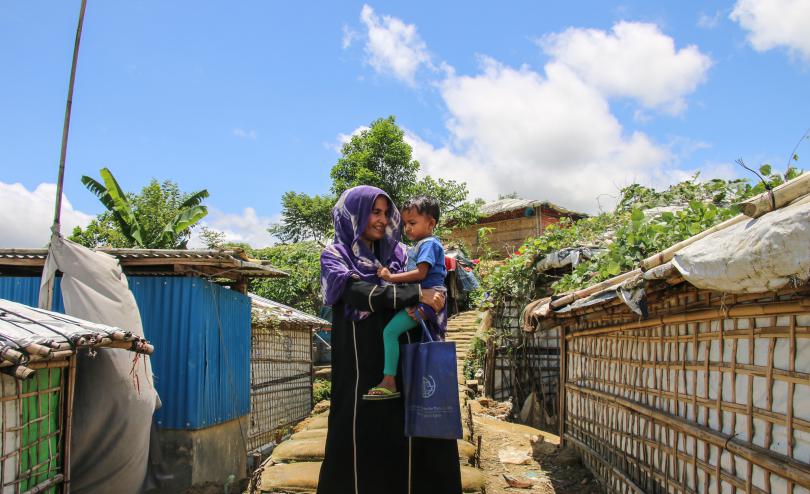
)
(753, 256)
(567, 257)
(115, 396)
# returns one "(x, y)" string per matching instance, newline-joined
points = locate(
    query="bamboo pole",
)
(585, 292)
(798, 307)
(71, 389)
(66, 126)
(777, 198)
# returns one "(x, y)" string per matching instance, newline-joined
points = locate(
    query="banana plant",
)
(115, 200)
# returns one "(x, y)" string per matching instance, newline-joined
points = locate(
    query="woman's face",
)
(377, 220)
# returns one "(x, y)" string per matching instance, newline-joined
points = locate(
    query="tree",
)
(213, 239)
(377, 156)
(302, 289)
(305, 218)
(159, 217)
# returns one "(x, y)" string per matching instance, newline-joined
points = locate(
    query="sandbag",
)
(300, 450)
(291, 477)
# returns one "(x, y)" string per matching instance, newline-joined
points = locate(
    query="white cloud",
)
(548, 136)
(393, 47)
(707, 21)
(349, 36)
(244, 134)
(26, 216)
(634, 60)
(247, 227)
(775, 23)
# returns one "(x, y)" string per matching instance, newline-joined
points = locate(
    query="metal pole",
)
(66, 127)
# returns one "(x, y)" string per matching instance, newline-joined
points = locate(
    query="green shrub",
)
(321, 390)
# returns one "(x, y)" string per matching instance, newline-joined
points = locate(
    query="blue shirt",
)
(431, 251)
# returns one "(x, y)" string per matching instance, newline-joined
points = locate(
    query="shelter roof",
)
(280, 312)
(509, 205)
(758, 251)
(225, 263)
(31, 338)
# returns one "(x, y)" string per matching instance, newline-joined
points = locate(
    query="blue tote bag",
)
(430, 388)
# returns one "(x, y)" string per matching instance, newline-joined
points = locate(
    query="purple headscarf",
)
(348, 256)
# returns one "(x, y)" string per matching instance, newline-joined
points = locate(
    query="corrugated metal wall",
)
(25, 290)
(201, 334)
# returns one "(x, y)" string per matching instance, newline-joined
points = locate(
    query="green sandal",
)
(384, 394)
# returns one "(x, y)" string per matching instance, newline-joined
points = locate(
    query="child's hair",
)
(424, 205)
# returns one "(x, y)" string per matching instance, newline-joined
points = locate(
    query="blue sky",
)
(250, 99)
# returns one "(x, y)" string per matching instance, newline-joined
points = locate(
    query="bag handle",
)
(425, 332)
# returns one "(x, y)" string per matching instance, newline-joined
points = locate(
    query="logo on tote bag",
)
(428, 386)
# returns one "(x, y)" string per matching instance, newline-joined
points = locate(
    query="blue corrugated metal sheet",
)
(201, 334)
(25, 290)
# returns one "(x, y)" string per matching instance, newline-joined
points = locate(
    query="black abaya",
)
(366, 450)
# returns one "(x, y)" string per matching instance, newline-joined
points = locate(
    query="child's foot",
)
(386, 390)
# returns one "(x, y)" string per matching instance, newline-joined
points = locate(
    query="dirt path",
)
(295, 463)
(546, 470)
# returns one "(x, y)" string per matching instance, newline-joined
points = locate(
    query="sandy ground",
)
(549, 469)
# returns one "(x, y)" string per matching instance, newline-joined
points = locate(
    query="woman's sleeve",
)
(370, 297)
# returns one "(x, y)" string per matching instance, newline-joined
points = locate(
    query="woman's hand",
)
(433, 298)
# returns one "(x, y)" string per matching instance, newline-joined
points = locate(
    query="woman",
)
(366, 450)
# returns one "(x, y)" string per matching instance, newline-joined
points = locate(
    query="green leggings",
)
(400, 323)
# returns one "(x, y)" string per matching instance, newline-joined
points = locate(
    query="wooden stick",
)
(66, 125)
(71, 389)
(800, 306)
(566, 299)
(35, 349)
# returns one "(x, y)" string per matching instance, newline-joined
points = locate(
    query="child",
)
(425, 265)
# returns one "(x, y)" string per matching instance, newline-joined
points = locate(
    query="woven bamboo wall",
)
(710, 394)
(524, 363)
(500, 365)
(280, 379)
(33, 422)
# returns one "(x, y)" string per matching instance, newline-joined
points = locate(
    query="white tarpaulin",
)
(115, 396)
(752, 256)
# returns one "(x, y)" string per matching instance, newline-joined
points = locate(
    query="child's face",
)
(417, 226)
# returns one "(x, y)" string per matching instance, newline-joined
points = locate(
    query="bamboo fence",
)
(281, 375)
(519, 364)
(710, 394)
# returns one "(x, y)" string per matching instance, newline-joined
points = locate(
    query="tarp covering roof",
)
(755, 256)
(39, 335)
(751, 255)
(507, 205)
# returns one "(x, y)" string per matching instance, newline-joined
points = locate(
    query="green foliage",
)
(377, 156)
(475, 357)
(321, 390)
(633, 232)
(159, 217)
(212, 239)
(302, 289)
(452, 197)
(305, 218)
